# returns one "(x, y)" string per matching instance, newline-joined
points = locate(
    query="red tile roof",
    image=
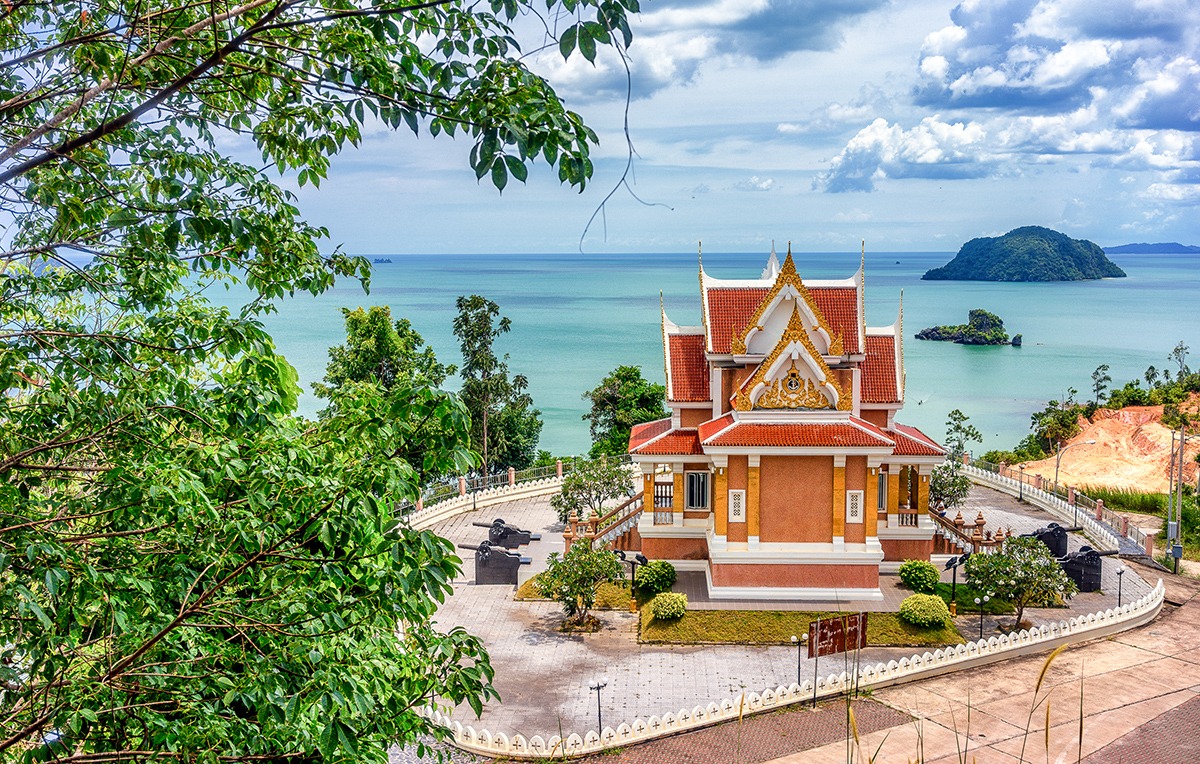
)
(713, 426)
(729, 310)
(913, 442)
(879, 371)
(640, 433)
(839, 305)
(689, 368)
(676, 442)
(854, 434)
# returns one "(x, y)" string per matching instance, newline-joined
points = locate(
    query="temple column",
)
(721, 499)
(923, 490)
(752, 501)
(648, 487)
(871, 498)
(677, 494)
(839, 501)
(893, 496)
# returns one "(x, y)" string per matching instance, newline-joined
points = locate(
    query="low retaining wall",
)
(456, 505)
(929, 664)
(1100, 534)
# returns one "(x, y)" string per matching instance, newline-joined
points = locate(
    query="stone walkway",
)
(543, 675)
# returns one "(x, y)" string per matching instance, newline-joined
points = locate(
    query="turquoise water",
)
(576, 317)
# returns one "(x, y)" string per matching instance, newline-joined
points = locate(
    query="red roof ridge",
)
(648, 431)
(913, 433)
(718, 425)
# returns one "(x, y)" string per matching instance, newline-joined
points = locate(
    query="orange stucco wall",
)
(693, 417)
(796, 498)
(675, 549)
(856, 480)
(738, 470)
(819, 576)
(877, 417)
(896, 550)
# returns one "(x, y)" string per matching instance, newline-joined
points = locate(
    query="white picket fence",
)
(1101, 535)
(970, 655)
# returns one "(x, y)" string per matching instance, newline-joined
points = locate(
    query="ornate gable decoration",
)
(792, 390)
(787, 278)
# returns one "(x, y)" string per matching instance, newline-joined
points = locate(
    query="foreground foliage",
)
(589, 485)
(924, 610)
(621, 400)
(187, 572)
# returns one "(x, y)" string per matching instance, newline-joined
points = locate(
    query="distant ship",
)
(383, 260)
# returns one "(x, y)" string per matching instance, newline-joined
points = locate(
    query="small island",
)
(982, 328)
(1031, 253)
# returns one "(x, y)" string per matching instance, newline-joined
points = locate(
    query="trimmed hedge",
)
(668, 606)
(655, 576)
(920, 576)
(925, 610)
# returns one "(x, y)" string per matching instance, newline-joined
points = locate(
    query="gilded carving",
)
(737, 345)
(793, 392)
(788, 277)
(795, 333)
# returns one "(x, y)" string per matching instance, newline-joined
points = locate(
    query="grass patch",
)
(1127, 500)
(608, 596)
(774, 627)
(965, 597)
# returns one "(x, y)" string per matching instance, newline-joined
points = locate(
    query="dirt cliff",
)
(1132, 451)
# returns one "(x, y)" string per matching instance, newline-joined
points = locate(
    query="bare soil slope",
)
(1132, 451)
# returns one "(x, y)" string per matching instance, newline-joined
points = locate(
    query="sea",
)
(576, 317)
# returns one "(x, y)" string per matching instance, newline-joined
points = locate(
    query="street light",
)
(981, 603)
(952, 565)
(799, 642)
(1021, 483)
(1120, 580)
(638, 559)
(596, 687)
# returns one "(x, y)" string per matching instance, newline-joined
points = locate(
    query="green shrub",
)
(668, 606)
(920, 576)
(924, 610)
(655, 576)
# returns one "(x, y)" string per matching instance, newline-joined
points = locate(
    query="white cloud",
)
(754, 183)
(932, 149)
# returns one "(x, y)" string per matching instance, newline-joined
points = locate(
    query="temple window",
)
(696, 490)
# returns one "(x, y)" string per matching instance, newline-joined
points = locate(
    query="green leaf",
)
(499, 175)
(566, 43)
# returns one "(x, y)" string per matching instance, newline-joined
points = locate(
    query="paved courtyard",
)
(543, 675)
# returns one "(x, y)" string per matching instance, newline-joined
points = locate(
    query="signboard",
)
(840, 634)
(854, 507)
(737, 506)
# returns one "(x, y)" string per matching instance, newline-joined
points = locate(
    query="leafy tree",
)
(589, 485)
(1151, 377)
(571, 579)
(381, 351)
(959, 434)
(1100, 380)
(504, 425)
(1023, 572)
(948, 486)
(621, 400)
(187, 570)
(1179, 357)
(1056, 423)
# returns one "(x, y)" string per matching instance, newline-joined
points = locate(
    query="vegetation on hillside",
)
(1031, 253)
(982, 328)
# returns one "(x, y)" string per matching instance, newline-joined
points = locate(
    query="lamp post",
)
(596, 687)
(952, 565)
(981, 603)
(1120, 580)
(1021, 483)
(799, 658)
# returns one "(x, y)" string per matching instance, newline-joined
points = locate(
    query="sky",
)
(914, 125)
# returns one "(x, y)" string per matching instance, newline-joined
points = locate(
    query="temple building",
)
(782, 472)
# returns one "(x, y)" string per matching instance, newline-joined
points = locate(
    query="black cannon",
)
(1083, 567)
(1054, 536)
(508, 536)
(494, 565)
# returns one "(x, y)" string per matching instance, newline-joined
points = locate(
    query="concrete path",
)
(1139, 701)
(543, 675)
